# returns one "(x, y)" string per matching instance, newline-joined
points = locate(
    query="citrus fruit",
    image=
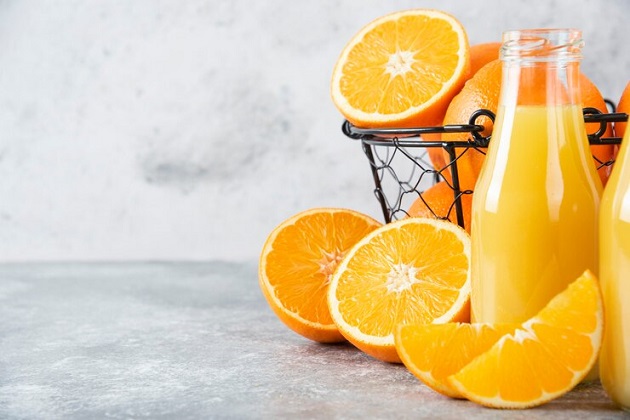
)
(434, 352)
(544, 358)
(482, 92)
(297, 262)
(623, 106)
(438, 201)
(401, 70)
(482, 54)
(411, 271)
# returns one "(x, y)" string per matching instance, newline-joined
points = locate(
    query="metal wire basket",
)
(401, 168)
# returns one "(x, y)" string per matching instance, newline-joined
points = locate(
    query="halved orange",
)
(412, 271)
(435, 352)
(401, 70)
(297, 262)
(545, 357)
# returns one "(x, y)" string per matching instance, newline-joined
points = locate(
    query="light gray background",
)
(134, 130)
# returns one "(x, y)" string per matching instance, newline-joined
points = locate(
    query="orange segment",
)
(401, 70)
(297, 262)
(434, 352)
(544, 358)
(412, 271)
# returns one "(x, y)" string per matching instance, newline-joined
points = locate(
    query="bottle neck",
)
(541, 67)
(546, 83)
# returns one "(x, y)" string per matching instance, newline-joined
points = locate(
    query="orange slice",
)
(401, 70)
(412, 271)
(297, 262)
(544, 358)
(435, 352)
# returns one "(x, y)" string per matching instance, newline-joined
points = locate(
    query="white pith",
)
(401, 277)
(399, 63)
(329, 262)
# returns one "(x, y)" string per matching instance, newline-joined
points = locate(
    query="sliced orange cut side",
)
(401, 70)
(412, 271)
(297, 262)
(544, 358)
(436, 351)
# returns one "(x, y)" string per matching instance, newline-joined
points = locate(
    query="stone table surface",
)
(197, 340)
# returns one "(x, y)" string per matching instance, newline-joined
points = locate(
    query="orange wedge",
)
(435, 352)
(412, 271)
(544, 358)
(297, 262)
(401, 70)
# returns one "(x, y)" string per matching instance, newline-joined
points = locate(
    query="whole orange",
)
(482, 91)
(438, 201)
(623, 106)
(480, 55)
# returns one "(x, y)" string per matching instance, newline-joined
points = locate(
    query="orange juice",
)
(615, 279)
(534, 218)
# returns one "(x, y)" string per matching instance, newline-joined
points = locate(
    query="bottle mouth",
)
(542, 45)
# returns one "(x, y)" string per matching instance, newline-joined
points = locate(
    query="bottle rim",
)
(542, 44)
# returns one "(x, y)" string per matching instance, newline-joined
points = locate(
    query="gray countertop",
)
(197, 340)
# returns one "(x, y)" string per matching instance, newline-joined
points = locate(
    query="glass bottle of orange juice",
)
(614, 231)
(534, 217)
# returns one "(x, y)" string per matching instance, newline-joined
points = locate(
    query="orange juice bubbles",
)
(615, 279)
(534, 214)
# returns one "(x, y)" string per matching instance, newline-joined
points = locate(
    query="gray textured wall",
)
(188, 130)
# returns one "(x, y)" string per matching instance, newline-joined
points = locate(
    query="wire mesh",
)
(402, 169)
